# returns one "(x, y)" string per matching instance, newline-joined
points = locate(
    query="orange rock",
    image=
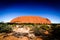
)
(10, 38)
(15, 38)
(39, 38)
(31, 19)
(46, 32)
(25, 38)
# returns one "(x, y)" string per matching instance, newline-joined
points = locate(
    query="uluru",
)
(31, 19)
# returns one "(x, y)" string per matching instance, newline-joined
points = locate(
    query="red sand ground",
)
(15, 38)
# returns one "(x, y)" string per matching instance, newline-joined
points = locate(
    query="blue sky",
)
(49, 10)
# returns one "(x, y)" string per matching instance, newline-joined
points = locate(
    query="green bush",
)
(36, 30)
(5, 28)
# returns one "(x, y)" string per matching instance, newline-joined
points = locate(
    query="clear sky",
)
(47, 9)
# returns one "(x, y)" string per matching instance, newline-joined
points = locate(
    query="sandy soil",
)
(2, 37)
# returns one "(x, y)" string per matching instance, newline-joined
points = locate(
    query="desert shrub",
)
(5, 28)
(56, 32)
(45, 27)
(36, 31)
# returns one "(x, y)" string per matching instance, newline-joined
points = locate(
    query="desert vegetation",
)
(5, 28)
(36, 31)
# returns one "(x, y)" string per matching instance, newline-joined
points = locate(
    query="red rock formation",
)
(31, 19)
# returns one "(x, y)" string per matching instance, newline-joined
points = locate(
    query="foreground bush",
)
(5, 28)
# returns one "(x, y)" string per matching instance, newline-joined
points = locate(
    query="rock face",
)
(31, 19)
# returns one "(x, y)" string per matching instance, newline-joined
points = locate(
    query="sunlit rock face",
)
(31, 19)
